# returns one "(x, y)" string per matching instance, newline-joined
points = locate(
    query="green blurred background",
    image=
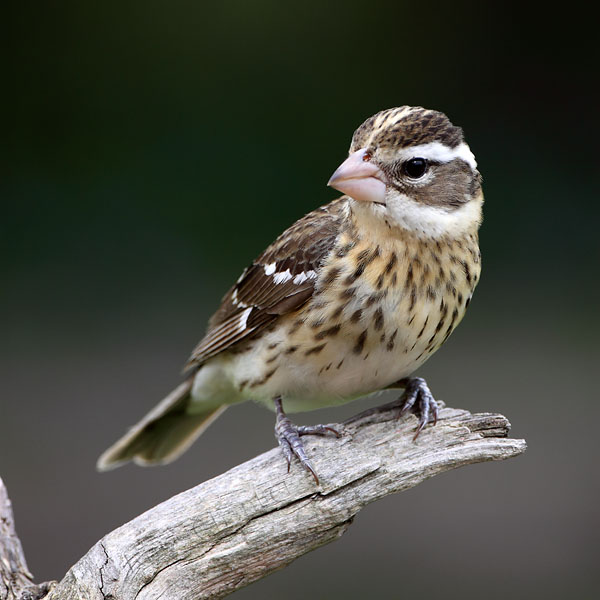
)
(151, 150)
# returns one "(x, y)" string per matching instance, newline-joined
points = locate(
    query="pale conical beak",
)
(359, 178)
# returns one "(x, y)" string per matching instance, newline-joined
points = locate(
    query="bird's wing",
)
(278, 282)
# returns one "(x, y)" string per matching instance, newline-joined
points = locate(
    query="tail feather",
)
(165, 433)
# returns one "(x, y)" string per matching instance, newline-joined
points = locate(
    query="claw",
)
(287, 451)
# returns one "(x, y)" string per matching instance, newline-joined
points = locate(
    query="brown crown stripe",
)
(416, 126)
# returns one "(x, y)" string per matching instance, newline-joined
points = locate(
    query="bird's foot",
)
(417, 398)
(288, 437)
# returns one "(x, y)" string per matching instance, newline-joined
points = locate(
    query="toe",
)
(288, 437)
(317, 430)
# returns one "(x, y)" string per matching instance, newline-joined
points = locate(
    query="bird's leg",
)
(288, 437)
(416, 398)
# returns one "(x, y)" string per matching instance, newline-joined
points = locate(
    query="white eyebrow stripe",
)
(438, 152)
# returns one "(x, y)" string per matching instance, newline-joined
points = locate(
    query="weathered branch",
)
(16, 582)
(257, 518)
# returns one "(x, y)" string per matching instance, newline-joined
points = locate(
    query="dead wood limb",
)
(16, 582)
(256, 518)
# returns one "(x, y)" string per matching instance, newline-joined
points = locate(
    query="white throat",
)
(427, 221)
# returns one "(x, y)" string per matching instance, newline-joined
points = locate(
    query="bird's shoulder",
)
(278, 282)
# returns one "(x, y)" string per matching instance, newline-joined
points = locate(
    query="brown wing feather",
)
(278, 282)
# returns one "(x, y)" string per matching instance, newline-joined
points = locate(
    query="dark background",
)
(151, 150)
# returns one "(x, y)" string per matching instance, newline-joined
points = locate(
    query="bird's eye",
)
(415, 167)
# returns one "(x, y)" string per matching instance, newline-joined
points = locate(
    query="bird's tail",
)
(165, 433)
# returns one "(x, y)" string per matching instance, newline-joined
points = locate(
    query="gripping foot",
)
(288, 437)
(416, 398)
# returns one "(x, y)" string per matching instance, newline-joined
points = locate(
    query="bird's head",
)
(412, 167)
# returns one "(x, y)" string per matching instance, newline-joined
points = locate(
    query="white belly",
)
(345, 368)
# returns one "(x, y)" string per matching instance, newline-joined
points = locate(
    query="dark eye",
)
(415, 167)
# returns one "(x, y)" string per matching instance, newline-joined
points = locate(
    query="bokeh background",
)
(152, 149)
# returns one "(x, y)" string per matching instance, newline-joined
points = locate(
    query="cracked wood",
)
(256, 518)
(16, 582)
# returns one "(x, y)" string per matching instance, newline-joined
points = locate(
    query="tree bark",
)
(16, 582)
(256, 518)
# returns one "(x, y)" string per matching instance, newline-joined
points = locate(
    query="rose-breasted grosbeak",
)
(351, 299)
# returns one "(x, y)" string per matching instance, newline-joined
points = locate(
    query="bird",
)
(350, 300)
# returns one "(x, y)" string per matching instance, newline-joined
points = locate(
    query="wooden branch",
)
(256, 518)
(16, 582)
